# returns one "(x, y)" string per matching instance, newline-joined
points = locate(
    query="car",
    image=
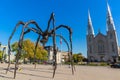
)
(116, 65)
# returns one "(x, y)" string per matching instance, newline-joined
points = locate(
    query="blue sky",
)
(73, 13)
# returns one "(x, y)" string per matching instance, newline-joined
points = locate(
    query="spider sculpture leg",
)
(21, 41)
(38, 39)
(54, 45)
(3, 53)
(70, 39)
(19, 51)
(64, 41)
(37, 30)
(9, 48)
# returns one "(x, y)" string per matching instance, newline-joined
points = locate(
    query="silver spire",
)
(90, 27)
(110, 22)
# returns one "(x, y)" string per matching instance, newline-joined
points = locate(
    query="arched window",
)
(101, 46)
(112, 46)
(90, 39)
(111, 36)
(90, 49)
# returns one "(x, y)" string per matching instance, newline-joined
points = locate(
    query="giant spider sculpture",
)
(45, 36)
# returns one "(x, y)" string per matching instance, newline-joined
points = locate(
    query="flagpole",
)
(61, 48)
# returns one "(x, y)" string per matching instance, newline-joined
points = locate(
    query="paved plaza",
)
(44, 72)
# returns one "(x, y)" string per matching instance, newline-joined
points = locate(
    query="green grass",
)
(97, 64)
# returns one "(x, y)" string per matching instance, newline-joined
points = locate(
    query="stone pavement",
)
(44, 72)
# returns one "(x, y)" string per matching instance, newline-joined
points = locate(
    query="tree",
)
(41, 54)
(1, 55)
(75, 58)
(119, 58)
(29, 49)
(78, 57)
(5, 56)
(15, 47)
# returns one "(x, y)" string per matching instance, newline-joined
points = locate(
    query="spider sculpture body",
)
(43, 37)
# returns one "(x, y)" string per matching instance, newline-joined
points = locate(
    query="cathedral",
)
(102, 47)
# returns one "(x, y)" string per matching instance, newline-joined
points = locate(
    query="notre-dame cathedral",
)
(102, 47)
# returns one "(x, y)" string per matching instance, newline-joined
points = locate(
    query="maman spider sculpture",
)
(45, 35)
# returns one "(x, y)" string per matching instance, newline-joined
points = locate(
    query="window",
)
(90, 49)
(111, 36)
(101, 46)
(89, 38)
(113, 49)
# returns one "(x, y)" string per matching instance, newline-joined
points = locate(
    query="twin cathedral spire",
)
(102, 47)
(110, 22)
(90, 26)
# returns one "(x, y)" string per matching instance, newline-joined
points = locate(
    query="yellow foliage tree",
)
(29, 49)
(1, 55)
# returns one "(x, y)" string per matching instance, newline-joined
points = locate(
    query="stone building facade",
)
(61, 56)
(102, 47)
(4, 48)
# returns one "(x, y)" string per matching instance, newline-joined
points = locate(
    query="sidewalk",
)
(63, 72)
